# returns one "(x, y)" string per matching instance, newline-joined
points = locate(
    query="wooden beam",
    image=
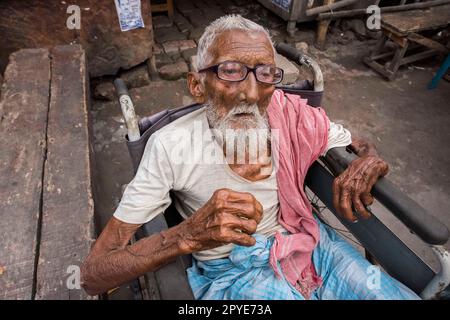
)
(68, 213)
(418, 56)
(379, 68)
(329, 7)
(360, 12)
(23, 119)
(322, 29)
(399, 39)
(427, 42)
(159, 7)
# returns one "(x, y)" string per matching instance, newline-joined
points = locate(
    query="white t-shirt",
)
(183, 157)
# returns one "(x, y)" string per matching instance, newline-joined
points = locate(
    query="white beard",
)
(244, 136)
(232, 120)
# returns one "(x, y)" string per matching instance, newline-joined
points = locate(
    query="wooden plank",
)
(417, 20)
(322, 28)
(67, 222)
(418, 56)
(23, 117)
(427, 42)
(379, 68)
(396, 37)
(382, 55)
(170, 8)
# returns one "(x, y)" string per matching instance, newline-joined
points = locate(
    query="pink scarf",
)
(303, 136)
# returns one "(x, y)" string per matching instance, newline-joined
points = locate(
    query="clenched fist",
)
(227, 217)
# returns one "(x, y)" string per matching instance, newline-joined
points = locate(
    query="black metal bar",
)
(171, 278)
(392, 254)
(414, 216)
(293, 54)
(121, 87)
(288, 51)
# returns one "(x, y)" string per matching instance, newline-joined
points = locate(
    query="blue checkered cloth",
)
(247, 275)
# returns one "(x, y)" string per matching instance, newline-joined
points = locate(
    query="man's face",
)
(238, 103)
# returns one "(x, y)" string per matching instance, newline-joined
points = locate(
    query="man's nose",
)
(250, 92)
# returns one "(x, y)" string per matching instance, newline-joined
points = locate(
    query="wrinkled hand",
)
(227, 217)
(354, 184)
(363, 147)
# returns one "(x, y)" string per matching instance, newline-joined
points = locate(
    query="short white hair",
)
(212, 31)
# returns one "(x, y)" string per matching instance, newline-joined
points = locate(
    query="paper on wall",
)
(129, 13)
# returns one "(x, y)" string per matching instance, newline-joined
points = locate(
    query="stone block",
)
(291, 72)
(157, 49)
(136, 77)
(187, 54)
(174, 71)
(105, 91)
(162, 59)
(168, 34)
(182, 24)
(175, 46)
(161, 21)
(196, 33)
(42, 23)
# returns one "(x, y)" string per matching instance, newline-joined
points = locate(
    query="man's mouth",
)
(243, 114)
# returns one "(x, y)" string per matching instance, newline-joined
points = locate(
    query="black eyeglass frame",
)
(215, 69)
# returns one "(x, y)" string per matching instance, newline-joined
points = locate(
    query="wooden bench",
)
(46, 207)
(404, 30)
(165, 6)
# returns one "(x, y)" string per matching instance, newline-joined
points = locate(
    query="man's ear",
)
(196, 87)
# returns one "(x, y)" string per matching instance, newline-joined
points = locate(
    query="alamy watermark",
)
(73, 281)
(202, 145)
(74, 20)
(373, 281)
(374, 20)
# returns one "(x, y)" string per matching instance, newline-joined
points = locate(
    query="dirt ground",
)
(407, 122)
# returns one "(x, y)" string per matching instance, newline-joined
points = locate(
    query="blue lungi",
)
(246, 274)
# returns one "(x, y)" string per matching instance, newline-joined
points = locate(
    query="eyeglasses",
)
(235, 71)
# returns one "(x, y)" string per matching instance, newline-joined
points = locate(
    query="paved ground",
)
(408, 123)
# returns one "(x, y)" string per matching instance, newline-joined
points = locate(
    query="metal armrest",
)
(171, 279)
(294, 55)
(414, 216)
(392, 254)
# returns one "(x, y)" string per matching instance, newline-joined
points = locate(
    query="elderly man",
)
(247, 223)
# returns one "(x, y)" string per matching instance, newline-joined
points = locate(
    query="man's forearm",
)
(227, 217)
(102, 272)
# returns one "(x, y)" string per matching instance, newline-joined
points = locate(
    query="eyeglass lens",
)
(235, 71)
